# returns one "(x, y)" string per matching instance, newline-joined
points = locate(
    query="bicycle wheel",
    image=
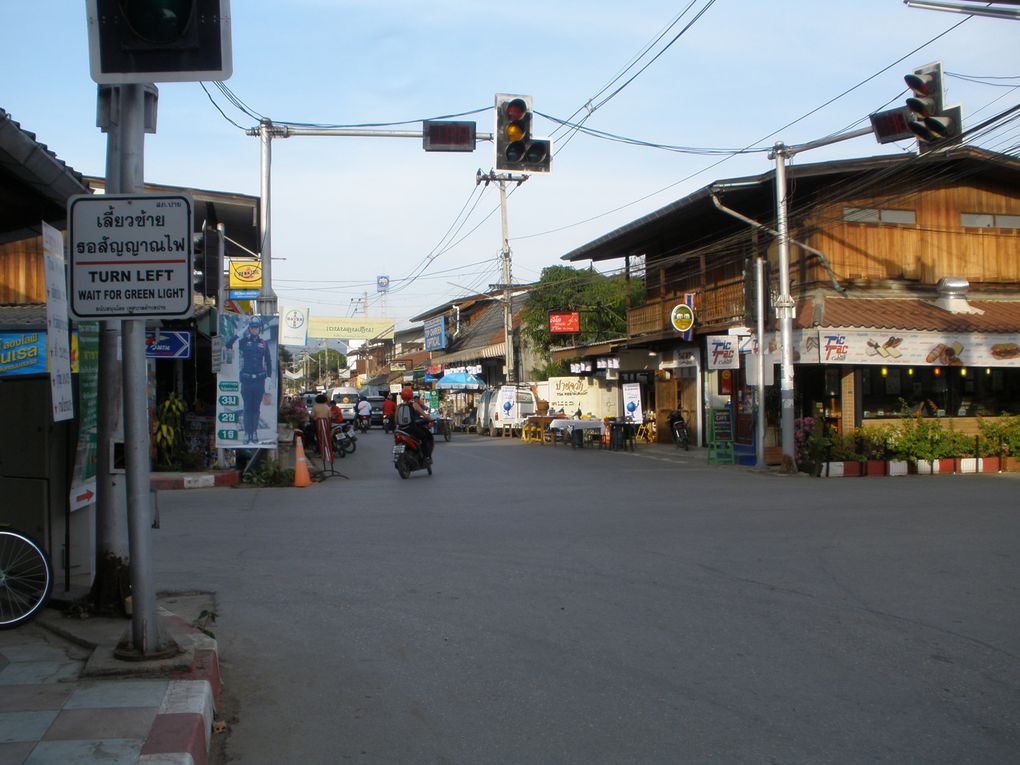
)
(26, 578)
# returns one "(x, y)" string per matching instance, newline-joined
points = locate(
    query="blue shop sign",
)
(22, 353)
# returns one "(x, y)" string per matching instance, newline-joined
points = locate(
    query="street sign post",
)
(167, 344)
(131, 256)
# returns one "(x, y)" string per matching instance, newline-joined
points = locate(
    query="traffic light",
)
(516, 149)
(207, 269)
(139, 41)
(932, 121)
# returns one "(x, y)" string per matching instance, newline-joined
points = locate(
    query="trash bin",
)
(577, 438)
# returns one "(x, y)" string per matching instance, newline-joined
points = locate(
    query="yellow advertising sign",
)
(245, 275)
(333, 327)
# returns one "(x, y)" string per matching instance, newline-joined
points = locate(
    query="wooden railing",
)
(717, 304)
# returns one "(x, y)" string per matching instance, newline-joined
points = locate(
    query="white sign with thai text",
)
(58, 325)
(131, 256)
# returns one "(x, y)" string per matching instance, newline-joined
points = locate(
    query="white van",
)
(522, 405)
(347, 398)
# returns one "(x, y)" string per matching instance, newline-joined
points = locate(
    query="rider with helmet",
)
(421, 422)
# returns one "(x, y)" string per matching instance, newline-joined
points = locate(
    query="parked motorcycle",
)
(344, 440)
(678, 430)
(408, 455)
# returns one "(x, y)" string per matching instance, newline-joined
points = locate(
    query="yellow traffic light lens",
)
(514, 132)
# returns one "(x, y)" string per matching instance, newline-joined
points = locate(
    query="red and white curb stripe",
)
(182, 731)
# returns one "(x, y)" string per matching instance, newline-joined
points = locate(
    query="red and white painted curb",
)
(165, 481)
(182, 731)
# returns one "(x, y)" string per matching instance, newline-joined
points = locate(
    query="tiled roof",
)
(909, 314)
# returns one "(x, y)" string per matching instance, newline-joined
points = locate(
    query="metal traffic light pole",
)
(147, 638)
(266, 132)
(785, 303)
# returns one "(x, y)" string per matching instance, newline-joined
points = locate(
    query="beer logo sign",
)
(682, 317)
(245, 274)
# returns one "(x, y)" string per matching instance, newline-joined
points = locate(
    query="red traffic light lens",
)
(515, 109)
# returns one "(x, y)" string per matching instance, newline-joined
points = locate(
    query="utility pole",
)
(507, 285)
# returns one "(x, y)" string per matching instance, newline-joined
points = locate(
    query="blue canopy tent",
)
(460, 381)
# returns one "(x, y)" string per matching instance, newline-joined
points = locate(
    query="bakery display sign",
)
(918, 349)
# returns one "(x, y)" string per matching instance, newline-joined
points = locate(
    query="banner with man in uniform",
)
(246, 384)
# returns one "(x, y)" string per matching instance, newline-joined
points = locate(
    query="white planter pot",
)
(969, 465)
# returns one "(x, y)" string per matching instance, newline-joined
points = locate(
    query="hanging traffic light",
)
(516, 149)
(140, 41)
(932, 121)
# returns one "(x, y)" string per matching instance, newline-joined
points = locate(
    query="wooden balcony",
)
(720, 303)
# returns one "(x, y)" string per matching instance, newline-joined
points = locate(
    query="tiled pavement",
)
(60, 706)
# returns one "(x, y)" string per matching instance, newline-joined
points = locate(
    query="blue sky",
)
(346, 210)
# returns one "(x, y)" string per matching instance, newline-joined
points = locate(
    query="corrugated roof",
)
(27, 317)
(34, 183)
(909, 314)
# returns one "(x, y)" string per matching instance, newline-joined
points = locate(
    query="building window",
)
(875, 215)
(898, 391)
(989, 220)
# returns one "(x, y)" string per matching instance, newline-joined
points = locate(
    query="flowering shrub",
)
(802, 430)
(293, 412)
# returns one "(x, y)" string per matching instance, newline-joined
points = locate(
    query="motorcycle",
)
(678, 430)
(408, 455)
(344, 440)
(387, 424)
(364, 422)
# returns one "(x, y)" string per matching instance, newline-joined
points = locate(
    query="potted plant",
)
(1002, 437)
(873, 449)
(844, 458)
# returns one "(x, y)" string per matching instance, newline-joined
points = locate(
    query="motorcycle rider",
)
(389, 410)
(421, 423)
(364, 411)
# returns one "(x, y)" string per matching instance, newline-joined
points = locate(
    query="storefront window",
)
(939, 391)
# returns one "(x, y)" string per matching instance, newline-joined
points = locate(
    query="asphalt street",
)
(531, 604)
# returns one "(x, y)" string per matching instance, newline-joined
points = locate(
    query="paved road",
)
(535, 605)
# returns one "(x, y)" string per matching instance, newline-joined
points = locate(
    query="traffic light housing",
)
(140, 41)
(208, 268)
(931, 120)
(516, 148)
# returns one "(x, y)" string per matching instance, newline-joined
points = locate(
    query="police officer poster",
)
(246, 384)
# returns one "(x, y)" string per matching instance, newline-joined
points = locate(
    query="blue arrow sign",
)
(165, 344)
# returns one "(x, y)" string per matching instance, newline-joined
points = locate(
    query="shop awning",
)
(460, 381)
(587, 351)
(496, 350)
(997, 316)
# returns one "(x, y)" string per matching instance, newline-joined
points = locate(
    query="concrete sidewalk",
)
(65, 699)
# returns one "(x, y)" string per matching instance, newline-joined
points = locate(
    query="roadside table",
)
(575, 429)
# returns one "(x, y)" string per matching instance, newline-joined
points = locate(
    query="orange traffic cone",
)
(301, 476)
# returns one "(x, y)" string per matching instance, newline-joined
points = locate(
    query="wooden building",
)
(906, 274)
